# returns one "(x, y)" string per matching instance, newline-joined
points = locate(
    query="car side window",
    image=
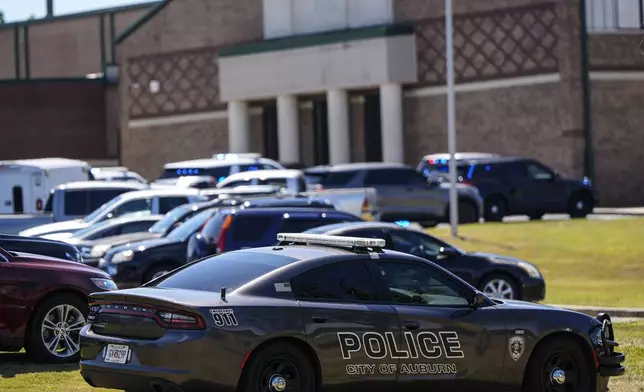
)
(136, 227)
(415, 244)
(167, 204)
(347, 281)
(133, 206)
(539, 172)
(101, 196)
(417, 284)
(75, 203)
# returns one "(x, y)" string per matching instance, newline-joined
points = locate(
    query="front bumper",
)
(533, 290)
(609, 362)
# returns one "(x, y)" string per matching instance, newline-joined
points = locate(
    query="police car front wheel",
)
(279, 367)
(559, 364)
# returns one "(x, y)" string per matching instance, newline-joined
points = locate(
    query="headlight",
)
(122, 257)
(105, 284)
(99, 250)
(530, 269)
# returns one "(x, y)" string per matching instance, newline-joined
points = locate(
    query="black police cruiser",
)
(328, 313)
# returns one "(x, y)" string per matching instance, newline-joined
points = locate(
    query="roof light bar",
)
(321, 239)
(225, 157)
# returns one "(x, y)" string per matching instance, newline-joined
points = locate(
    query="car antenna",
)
(223, 294)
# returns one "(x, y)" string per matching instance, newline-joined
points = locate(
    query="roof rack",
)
(355, 243)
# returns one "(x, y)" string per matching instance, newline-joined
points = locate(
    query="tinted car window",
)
(112, 231)
(415, 244)
(229, 270)
(337, 179)
(132, 206)
(171, 219)
(248, 229)
(136, 227)
(385, 177)
(101, 196)
(336, 282)
(76, 203)
(538, 171)
(48, 205)
(419, 284)
(500, 170)
(167, 204)
(212, 229)
(298, 225)
(191, 226)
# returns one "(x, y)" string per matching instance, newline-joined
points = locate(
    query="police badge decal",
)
(516, 345)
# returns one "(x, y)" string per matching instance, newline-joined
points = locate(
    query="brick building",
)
(305, 80)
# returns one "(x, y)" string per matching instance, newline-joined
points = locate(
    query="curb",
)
(613, 312)
(619, 211)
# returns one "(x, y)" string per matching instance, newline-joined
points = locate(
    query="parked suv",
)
(522, 186)
(43, 304)
(154, 201)
(403, 194)
(233, 229)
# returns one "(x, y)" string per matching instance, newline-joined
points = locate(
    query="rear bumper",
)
(118, 381)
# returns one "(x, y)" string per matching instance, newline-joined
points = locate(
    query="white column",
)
(238, 127)
(288, 129)
(391, 119)
(338, 120)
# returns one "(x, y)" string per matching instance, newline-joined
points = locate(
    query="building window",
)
(611, 15)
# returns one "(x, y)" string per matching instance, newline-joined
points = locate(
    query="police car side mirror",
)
(447, 252)
(478, 300)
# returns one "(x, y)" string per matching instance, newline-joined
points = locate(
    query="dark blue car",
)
(234, 229)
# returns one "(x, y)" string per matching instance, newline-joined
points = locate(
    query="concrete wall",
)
(292, 17)
(181, 25)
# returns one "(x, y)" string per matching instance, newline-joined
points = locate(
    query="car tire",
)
(566, 355)
(53, 333)
(500, 286)
(156, 271)
(276, 364)
(496, 209)
(580, 205)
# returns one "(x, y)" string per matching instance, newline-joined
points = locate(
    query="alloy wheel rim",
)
(499, 288)
(281, 375)
(561, 373)
(60, 330)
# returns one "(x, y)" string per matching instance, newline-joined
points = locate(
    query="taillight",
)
(221, 240)
(180, 321)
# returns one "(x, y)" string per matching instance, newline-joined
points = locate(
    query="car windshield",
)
(169, 219)
(189, 227)
(230, 270)
(97, 213)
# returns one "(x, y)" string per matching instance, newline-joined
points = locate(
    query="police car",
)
(328, 313)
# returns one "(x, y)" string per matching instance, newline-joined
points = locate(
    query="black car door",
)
(427, 247)
(352, 331)
(451, 346)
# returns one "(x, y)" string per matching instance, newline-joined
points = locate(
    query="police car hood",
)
(524, 305)
(53, 228)
(497, 258)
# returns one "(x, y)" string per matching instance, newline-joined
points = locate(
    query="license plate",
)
(116, 353)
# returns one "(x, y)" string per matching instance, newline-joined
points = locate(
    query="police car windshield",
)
(102, 209)
(169, 219)
(230, 270)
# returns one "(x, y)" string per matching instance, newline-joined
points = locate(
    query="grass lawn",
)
(584, 262)
(18, 374)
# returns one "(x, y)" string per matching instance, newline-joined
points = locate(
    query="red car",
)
(43, 304)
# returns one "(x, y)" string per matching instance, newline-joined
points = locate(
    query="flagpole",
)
(451, 117)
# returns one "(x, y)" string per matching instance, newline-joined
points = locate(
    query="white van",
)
(26, 183)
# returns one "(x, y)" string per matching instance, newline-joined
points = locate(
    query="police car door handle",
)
(412, 325)
(319, 319)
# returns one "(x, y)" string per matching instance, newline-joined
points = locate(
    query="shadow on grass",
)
(12, 364)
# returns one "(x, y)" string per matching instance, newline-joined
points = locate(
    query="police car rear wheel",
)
(559, 365)
(280, 367)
